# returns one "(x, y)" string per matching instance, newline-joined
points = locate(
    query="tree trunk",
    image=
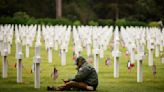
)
(58, 8)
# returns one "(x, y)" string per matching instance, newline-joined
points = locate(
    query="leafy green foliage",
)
(124, 22)
(104, 22)
(93, 23)
(63, 21)
(77, 23)
(154, 24)
(6, 20)
(49, 21)
(120, 22)
(135, 23)
(87, 10)
(21, 15)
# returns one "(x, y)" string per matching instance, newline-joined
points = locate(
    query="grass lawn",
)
(126, 82)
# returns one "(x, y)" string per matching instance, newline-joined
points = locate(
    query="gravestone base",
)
(19, 71)
(4, 65)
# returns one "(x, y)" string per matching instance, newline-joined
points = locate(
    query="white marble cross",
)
(150, 57)
(96, 59)
(19, 61)
(116, 53)
(139, 58)
(37, 60)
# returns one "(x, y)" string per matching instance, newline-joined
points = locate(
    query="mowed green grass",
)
(107, 83)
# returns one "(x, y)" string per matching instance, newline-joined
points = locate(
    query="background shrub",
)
(154, 24)
(21, 15)
(120, 22)
(77, 23)
(93, 23)
(104, 22)
(23, 19)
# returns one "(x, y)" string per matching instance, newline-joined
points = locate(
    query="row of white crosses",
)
(101, 37)
(56, 37)
(77, 44)
(6, 36)
(94, 38)
(155, 40)
(19, 55)
(24, 35)
(159, 41)
(140, 48)
(48, 33)
(128, 36)
(22, 39)
(27, 35)
(116, 52)
(65, 38)
(135, 38)
(150, 46)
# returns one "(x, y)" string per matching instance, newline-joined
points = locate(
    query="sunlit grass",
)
(125, 83)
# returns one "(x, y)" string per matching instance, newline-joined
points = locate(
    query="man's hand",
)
(65, 81)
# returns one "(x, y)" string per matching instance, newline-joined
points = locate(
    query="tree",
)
(86, 10)
(58, 8)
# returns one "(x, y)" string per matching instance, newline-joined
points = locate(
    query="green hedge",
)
(77, 23)
(93, 23)
(63, 21)
(120, 22)
(9, 20)
(154, 24)
(104, 22)
(135, 23)
(124, 22)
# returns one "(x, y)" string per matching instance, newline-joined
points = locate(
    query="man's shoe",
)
(50, 88)
(90, 88)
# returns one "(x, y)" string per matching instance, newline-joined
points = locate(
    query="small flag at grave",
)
(54, 74)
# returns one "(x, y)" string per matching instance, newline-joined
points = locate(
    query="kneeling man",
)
(85, 79)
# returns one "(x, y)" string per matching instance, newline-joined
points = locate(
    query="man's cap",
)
(80, 58)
